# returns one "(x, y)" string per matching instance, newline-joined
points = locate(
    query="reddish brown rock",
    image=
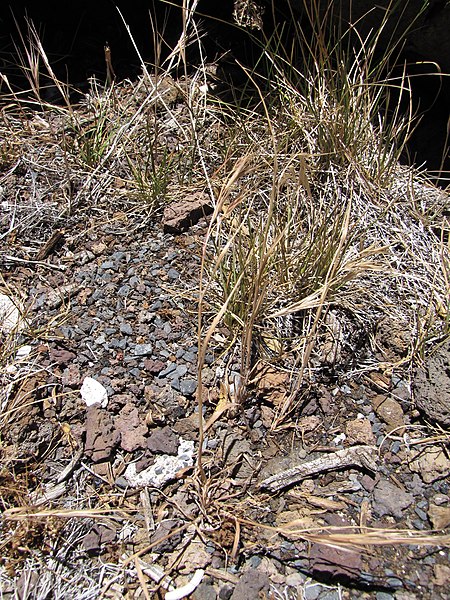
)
(154, 366)
(61, 356)
(359, 431)
(71, 376)
(163, 441)
(179, 216)
(98, 535)
(252, 584)
(390, 411)
(131, 429)
(333, 563)
(101, 436)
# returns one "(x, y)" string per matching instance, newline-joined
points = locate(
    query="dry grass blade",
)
(377, 537)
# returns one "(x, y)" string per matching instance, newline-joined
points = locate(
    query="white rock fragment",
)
(23, 352)
(93, 392)
(10, 315)
(341, 437)
(164, 468)
(186, 590)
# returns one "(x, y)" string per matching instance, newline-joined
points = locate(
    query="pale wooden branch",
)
(356, 456)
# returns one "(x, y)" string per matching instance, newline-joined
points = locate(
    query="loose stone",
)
(126, 329)
(143, 350)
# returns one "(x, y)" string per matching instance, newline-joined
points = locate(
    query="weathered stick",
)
(356, 456)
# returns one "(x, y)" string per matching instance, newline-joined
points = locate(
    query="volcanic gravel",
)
(125, 314)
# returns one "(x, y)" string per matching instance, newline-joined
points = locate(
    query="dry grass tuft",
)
(317, 236)
(318, 233)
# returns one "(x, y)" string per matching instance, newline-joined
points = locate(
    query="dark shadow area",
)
(429, 143)
(74, 39)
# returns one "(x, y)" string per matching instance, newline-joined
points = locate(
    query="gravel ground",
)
(125, 315)
(102, 497)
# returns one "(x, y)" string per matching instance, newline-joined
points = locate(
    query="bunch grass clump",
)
(317, 233)
(314, 222)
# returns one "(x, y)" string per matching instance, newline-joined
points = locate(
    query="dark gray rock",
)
(181, 370)
(124, 290)
(163, 441)
(126, 329)
(169, 371)
(175, 383)
(205, 591)
(143, 349)
(390, 499)
(173, 274)
(432, 386)
(188, 387)
(225, 592)
(252, 584)
(108, 264)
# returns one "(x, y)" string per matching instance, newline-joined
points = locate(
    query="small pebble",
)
(175, 383)
(106, 277)
(384, 596)
(420, 513)
(173, 274)
(143, 350)
(108, 264)
(169, 370)
(116, 343)
(121, 482)
(331, 595)
(124, 290)
(295, 580)
(254, 562)
(312, 592)
(395, 447)
(440, 499)
(188, 387)
(181, 370)
(226, 592)
(126, 329)
(190, 357)
(97, 295)
(394, 582)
